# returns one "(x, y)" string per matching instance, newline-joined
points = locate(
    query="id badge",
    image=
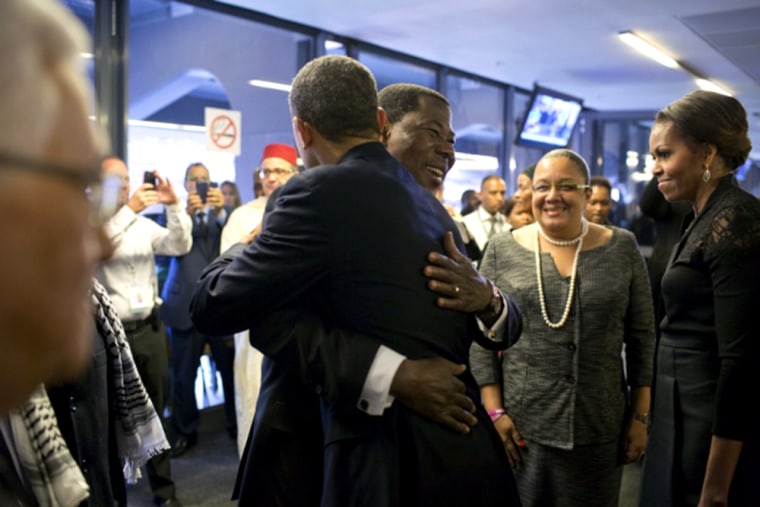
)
(140, 299)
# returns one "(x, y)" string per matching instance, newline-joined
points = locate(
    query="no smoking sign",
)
(223, 130)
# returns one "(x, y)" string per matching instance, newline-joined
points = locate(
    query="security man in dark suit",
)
(205, 205)
(348, 240)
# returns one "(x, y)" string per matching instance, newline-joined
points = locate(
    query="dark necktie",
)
(202, 222)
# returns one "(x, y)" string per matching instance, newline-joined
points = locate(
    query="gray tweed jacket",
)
(569, 386)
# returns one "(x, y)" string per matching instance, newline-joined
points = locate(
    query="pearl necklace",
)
(541, 298)
(556, 242)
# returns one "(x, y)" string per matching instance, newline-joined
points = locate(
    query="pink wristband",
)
(495, 413)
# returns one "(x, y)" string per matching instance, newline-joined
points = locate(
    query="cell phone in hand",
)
(149, 177)
(201, 187)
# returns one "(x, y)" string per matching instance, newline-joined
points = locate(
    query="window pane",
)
(173, 79)
(334, 47)
(625, 161)
(478, 119)
(85, 11)
(388, 70)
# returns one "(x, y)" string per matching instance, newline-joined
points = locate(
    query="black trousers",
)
(187, 347)
(149, 348)
(292, 476)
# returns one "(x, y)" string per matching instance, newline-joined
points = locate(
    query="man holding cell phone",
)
(205, 206)
(129, 276)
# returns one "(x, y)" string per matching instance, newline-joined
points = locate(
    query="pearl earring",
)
(706, 175)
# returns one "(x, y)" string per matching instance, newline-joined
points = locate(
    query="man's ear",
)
(385, 133)
(383, 125)
(303, 133)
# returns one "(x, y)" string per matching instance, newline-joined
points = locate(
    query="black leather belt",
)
(135, 325)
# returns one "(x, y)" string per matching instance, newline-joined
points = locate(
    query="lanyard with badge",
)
(140, 296)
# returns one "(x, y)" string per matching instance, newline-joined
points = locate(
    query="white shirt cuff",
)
(375, 396)
(496, 331)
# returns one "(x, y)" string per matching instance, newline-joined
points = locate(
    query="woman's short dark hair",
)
(573, 157)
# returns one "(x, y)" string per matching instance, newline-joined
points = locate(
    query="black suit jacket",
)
(12, 490)
(85, 412)
(185, 270)
(350, 240)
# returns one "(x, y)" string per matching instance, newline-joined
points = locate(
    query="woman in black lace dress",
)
(703, 445)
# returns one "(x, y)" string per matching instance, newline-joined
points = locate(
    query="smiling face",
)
(677, 165)
(524, 192)
(423, 142)
(520, 215)
(559, 210)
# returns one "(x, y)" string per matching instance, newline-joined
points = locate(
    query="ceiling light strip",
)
(710, 86)
(656, 54)
(272, 85)
(649, 50)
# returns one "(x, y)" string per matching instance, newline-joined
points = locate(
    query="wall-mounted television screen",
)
(550, 119)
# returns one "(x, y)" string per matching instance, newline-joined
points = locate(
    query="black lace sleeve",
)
(735, 232)
(733, 252)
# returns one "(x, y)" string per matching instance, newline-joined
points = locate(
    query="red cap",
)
(283, 151)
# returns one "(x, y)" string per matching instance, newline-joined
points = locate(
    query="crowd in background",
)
(518, 351)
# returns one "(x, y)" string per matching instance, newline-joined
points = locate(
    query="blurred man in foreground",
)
(50, 243)
(50, 151)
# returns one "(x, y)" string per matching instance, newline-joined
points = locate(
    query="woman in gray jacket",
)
(570, 407)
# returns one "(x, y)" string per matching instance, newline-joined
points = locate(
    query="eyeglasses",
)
(104, 198)
(195, 177)
(84, 176)
(103, 193)
(562, 188)
(277, 171)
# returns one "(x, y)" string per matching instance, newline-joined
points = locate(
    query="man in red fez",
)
(278, 163)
